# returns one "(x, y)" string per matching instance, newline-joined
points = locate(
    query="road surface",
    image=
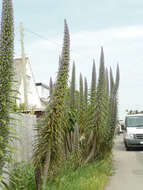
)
(128, 168)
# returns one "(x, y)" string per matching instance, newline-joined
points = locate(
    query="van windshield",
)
(134, 121)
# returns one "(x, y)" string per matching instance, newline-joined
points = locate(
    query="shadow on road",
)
(136, 149)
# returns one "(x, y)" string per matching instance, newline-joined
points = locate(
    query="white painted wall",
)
(33, 98)
(43, 92)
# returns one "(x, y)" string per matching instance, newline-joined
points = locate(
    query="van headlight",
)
(129, 136)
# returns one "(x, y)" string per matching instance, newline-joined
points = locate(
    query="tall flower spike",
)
(117, 78)
(93, 83)
(111, 82)
(81, 91)
(85, 91)
(72, 95)
(102, 68)
(102, 108)
(6, 74)
(66, 45)
(51, 86)
(107, 81)
(81, 109)
(50, 134)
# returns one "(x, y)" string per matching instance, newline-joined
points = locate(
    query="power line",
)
(36, 34)
(40, 36)
(43, 37)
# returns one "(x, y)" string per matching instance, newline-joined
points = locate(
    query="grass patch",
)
(93, 176)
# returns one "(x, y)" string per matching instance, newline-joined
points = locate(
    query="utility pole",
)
(23, 65)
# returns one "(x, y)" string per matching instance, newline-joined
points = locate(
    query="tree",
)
(6, 75)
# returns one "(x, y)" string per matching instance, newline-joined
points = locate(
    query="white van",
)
(133, 131)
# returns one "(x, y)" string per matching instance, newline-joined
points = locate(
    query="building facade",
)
(27, 92)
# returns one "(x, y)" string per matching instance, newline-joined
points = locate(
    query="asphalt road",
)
(128, 168)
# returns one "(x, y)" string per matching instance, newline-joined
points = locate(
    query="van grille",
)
(139, 136)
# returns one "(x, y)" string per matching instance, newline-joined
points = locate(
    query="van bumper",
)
(133, 142)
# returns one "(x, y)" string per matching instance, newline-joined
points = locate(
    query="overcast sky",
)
(115, 25)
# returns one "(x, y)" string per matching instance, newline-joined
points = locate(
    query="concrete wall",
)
(24, 126)
(23, 149)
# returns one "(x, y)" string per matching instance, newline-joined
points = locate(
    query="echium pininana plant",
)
(80, 116)
(51, 87)
(90, 113)
(107, 81)
(93, 95)
(97, 137)
(91, 108)
(70, 114)
(81, 98)
(111, 106)
(71, 110)
(85, 105)
(6, 75)
(93, 84)
(111, 82)
(50, 134)
(85, 92)
(101, 111)
(115, 99)
(72, 88)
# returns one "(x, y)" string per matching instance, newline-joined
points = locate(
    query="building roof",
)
(43, 85)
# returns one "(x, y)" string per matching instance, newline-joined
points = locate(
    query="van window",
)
(134, 121)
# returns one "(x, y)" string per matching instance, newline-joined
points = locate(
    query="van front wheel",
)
(127, 147)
